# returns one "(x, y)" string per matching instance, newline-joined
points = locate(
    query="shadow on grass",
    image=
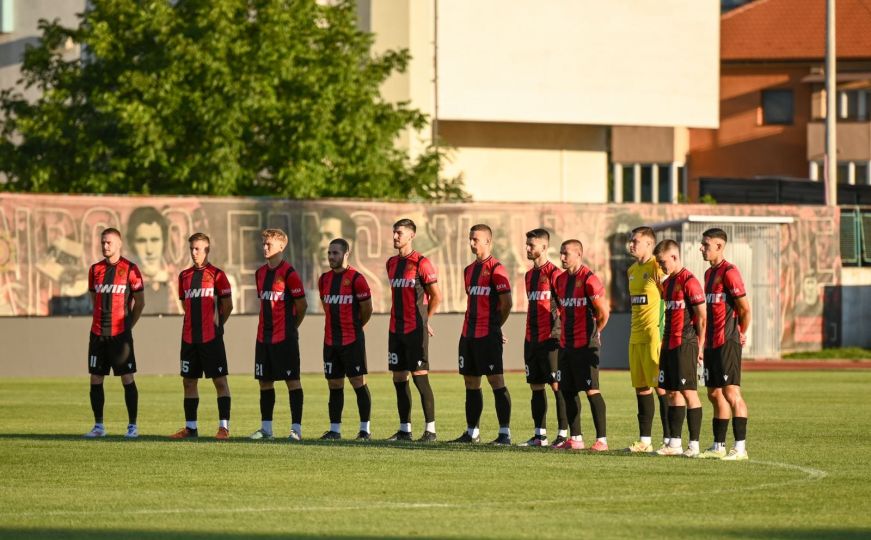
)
(99, 534)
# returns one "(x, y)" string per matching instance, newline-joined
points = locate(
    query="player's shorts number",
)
(661, 376)
(185, 366)
(328, 368)
(526, 368)
(461, 362)
(392, 358)
(559, 375)
(258, 370)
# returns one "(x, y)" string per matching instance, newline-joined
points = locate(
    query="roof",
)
(788, 30)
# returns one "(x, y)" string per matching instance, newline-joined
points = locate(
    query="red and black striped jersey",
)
(542, 315)
(576, 293)
(485, 281)
(199, 290)
(114, 285)
(408, 278)
(277, 288)
(341, 294)
(723, 284)
(681, 292)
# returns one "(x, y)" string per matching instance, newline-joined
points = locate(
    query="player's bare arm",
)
(434, 295)
(700, 323)
(742, 306)
(225, 307)
(603, 312)
(504, 307)
(300, 307)
(138, 306)
(365, 311)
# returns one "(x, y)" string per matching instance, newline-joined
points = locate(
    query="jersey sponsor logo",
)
(573, 302)
(672, 305)
(535, 296)
(478, 290)
(501, 286)
(402, 282)
(297, 290)
(272, 296)
(199, 293)
(715, 298)
(225, 291)
(338, 298)
(110, 288)
(431, 277)
(638, 299)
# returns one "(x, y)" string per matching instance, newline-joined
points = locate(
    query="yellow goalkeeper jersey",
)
(647, 306)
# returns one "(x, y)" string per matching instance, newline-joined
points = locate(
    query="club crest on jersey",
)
(543, 279)
(485, 273)
(122, 272)
(645, 276)
(279, 280)
(346, 281)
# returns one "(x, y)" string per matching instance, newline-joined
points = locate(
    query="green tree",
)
(217, 97)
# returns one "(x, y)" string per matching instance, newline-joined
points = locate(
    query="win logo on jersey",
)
(401, 282)
(673, 305)
(715, 298)
(199, 293)
(272, 296)
(535, 296)
(478, 290)
(110, 288)
(338, 298)
(573, 302)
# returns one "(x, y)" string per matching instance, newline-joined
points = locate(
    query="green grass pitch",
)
(808, 476)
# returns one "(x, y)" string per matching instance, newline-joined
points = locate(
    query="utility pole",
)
(830, 166)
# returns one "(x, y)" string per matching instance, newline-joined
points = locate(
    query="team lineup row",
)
(676, 325)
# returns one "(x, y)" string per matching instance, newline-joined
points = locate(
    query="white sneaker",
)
(691, 453)
(713, 453)
(260, 434)
(736, 455)
(95, 432)
(669, 451)
(294, 436)
(132, 432)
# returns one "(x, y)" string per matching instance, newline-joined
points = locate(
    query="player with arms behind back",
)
(728, 323)
(117, 297)
(683, 339)
(276, 353)
(347, 303)
(540, 348)
(207, 300)
(480, 350)
(645, 338)
(415, 297)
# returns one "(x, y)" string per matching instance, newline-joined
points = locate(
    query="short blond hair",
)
(277, 234)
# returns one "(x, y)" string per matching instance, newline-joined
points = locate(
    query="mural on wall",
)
(47, 243)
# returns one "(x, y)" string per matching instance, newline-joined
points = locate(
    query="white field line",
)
(811, 475)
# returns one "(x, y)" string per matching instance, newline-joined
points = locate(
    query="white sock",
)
(540, 431)
(191, 425)
(473, 432)
(578, 438)
(505, 431)
(694, 445)
(364, 426)
(603, 440)
(646, 440)
(719, 446)
(336, 427)
(666, 441)
(563, 433)
(739, 446)
(224, 424)
(100, 426)
(266, 425)
(675, 442)
(297, 428)
(405, 427)
(430, 426)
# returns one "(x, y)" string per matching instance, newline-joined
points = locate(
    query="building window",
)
(853, 105)
(777, 107)
(664, 182)
(628, 183)
(647, 183)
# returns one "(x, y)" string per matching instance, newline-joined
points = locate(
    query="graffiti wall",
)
(47, 243)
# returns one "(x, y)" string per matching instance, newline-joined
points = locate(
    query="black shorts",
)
(481, 356)
(111, 352)
(277, 361)
(678, 367)
(345, 360)
(208, 358)
(541, 361)
(723, 365)
(408, 352)
(578, 370)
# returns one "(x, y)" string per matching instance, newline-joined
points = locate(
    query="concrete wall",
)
(855, 297)
(55, 346)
